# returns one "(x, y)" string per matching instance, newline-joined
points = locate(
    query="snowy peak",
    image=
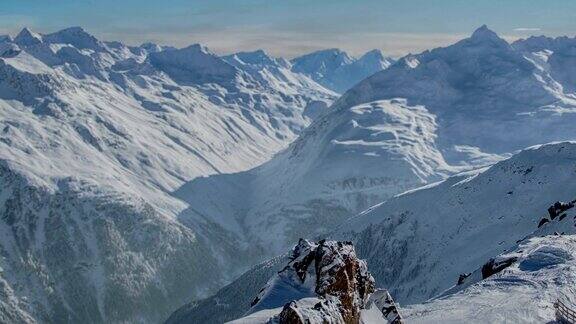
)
(321, 63)
(336, 70)
(258, 57)
(26, 37)
(368, 64)
(256, 60)
(485, 37)
(373, 54)
(194, 64)
(375, 57)
(331, 57)
(75, 36)
(484, 33)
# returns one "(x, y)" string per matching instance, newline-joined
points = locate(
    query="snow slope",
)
(338, 71)
(389, 143)
(523, 293)
(555, 55)
(95, 137)
(418, 243)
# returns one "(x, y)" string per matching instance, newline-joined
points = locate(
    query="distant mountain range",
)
(337, 71)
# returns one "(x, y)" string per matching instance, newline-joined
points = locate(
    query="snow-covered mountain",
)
(426, 117)
(555, 55)
(95, 138)
(132, 177)
(419, 243)
(336, 70)
(479, 89)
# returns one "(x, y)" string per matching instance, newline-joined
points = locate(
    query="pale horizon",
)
(227, 26)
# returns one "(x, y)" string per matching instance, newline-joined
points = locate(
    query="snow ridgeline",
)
(324, 282)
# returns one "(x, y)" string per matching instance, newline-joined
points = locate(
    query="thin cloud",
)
(290, 43)
(527, 29)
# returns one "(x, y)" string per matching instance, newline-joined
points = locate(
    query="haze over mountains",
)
(138, 179)
(336, 70)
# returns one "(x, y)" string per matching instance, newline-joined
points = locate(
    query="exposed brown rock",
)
(343, 283)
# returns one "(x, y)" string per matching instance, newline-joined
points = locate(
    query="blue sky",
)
(291, 27)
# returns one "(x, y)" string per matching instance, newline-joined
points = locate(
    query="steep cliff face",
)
(335, 274)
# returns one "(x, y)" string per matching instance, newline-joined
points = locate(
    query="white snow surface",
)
(83, 120)
(523, 293)
(417, 244)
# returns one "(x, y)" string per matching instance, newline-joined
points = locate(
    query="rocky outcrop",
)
(324, 311)
(559, 207)
(494, 266)
(333, 284)
(341, 274)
